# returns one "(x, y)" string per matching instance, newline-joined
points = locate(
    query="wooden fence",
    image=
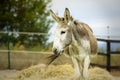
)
(108, 55)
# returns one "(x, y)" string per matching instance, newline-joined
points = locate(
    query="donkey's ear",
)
(67, 15)
(55, 17)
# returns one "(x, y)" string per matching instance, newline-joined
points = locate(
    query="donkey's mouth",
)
(54, 56)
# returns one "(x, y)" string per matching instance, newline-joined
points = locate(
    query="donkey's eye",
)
(62, 32)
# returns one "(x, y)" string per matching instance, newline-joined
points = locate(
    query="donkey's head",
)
(63, 32)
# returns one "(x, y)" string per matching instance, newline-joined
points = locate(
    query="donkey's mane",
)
(80, 30)
(82, 25)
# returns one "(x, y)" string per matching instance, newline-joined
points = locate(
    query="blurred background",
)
(27, 24)
(26, 27)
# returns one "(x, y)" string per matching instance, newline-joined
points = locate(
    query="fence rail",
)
(31, 33)
(17, 51)
(108, 55)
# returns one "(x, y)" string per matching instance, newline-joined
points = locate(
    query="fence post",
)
(108, 56)
(8, 44)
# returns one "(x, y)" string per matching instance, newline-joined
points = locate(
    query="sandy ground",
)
(8, 74)
(12, 74)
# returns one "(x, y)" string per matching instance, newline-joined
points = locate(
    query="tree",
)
(25, 16)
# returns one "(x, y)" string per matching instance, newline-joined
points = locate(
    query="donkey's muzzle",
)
(55, 51)
(53, 56)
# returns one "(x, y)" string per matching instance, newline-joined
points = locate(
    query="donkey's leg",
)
(86, 65)
(76, 68)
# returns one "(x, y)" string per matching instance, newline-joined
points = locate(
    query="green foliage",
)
(25, 16)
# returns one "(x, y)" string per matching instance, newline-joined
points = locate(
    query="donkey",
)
(75, 39)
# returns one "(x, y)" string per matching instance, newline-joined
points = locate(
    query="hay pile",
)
(99, 74)
(59, 72)
(42, 72)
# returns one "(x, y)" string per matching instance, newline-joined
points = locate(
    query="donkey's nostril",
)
(55, 51)
(62, 51)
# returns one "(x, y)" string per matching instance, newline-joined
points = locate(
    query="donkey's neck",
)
(76, 50)
(74, 46)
